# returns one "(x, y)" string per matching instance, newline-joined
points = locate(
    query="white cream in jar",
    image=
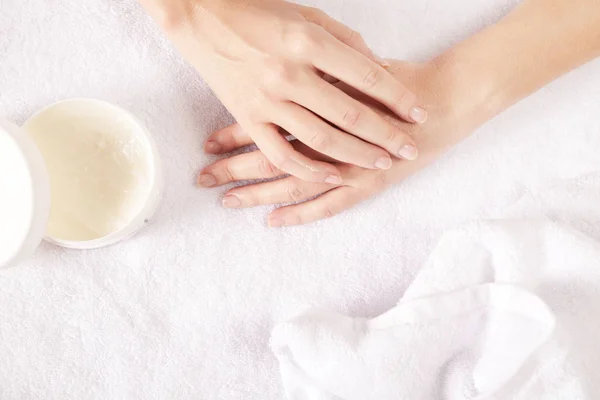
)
(101, 170)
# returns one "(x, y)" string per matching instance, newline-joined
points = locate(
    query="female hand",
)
(451, 120)
(461, 92)
(266, 61)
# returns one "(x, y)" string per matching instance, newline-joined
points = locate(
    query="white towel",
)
(184, 310)
(503, 309)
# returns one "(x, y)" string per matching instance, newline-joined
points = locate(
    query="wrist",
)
(472, 90)
(455, 111)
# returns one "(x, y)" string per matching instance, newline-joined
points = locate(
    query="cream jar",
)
(81, 174)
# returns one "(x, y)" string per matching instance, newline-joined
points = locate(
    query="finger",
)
(324, 206)
(324, 138)
(230, 138)
(349, 66)
(343, 33)
(227, 139)
(286, 190)
(284, 157)
(242, 167)
(249, 166)
(354, 117)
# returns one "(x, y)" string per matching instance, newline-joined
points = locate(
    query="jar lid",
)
(24, 195)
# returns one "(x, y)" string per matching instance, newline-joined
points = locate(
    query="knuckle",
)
(253, 109)
(279, 161)
(267, 169)
(276, 77)
(227, 173)
(351, 118)
(404, 99)
(371, 78)
(252, 116)
(294, 193)
(328, 211)
(301, 41)
(392, 135)
(354, 37)
(320, 141)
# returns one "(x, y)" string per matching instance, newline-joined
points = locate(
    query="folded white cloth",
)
(503, 309)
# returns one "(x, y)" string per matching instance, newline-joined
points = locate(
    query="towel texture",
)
(185, 309)
(503, 309)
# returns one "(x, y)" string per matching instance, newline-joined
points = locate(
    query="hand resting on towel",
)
(449, 121)
(266, 61)
(461, 89)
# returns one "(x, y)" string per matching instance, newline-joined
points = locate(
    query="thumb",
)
(341, 32)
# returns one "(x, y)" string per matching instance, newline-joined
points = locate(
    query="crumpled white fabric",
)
(503, 309)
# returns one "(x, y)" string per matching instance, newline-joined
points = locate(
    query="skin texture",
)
(271, 63)
(443, 130)
(461, 89)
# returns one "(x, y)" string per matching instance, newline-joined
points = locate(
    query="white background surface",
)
(184, 310)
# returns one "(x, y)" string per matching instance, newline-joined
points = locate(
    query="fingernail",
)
(383, 163)
(382, 61)
(213, 147)
(334, 180)
(276, 222)
(409, 152)
(207, 180)
(418, 114)
(231, 201)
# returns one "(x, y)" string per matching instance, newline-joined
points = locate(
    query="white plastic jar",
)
(80, 173)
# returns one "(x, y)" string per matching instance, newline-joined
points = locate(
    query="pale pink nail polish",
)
(418, 114)
(207, 180)
(384, 163)
(334, 180)
(231, 201)
(409, 152)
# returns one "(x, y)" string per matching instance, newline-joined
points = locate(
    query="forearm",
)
(535, 44)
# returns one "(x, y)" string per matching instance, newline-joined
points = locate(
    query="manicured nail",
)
(207, 180)
(383, 163)
(418, 114)
(231, 201)
(334, 180)
(409, 152)
(382, 62)
(276, 222)
(213, 147)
